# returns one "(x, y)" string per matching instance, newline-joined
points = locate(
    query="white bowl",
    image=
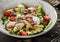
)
(47, 7)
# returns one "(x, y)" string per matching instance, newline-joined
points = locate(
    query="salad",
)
(24, 21)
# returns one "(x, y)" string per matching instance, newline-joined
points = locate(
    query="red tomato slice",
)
(23, 33)
(7, 13)
(12, 18)
(46, 18)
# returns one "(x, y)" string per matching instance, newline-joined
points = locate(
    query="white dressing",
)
(36, 20)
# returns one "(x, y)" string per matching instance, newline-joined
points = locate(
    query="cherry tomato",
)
(46, 18)
(23, 33)
(12, 18)
(7, 13)
(26, 11)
